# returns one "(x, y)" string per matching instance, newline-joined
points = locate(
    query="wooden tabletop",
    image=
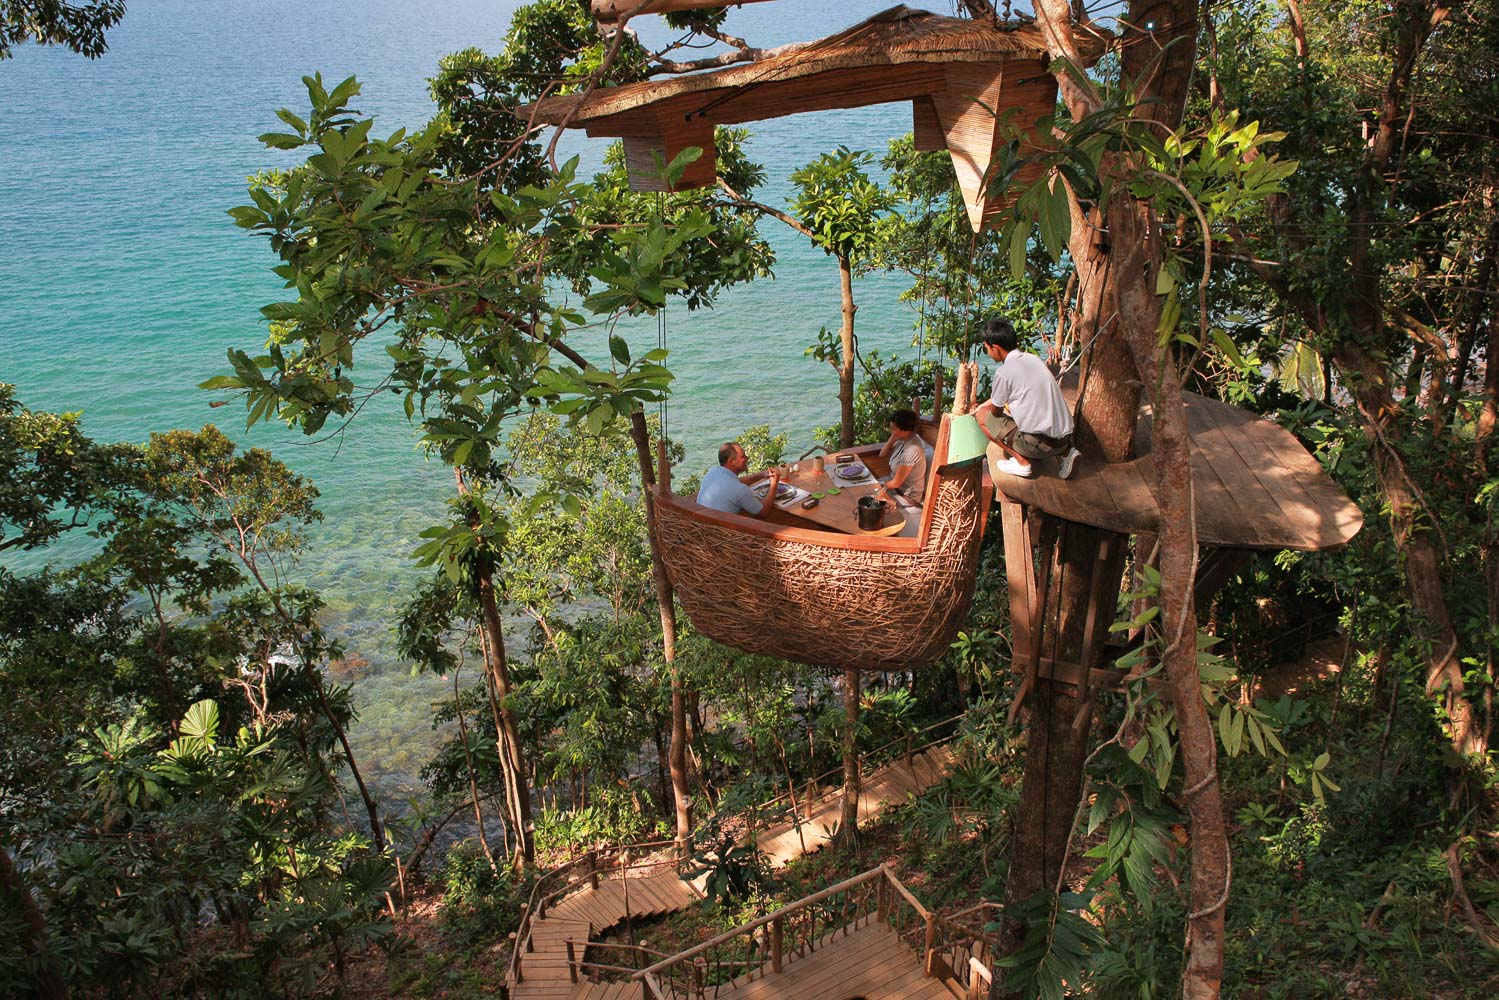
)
(839, 511)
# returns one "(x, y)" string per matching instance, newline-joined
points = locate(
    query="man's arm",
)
(752, 505)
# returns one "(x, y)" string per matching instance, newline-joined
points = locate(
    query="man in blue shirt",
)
(723, 491)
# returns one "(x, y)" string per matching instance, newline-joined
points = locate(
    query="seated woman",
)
(908, 465)
(722, 489)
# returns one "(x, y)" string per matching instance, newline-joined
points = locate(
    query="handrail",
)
(538, 904)
(760, 945)
(758, 922)
(877, 750)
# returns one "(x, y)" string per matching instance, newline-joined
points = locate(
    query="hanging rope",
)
(663, 412)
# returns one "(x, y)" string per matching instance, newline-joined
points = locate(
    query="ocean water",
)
(123, 281)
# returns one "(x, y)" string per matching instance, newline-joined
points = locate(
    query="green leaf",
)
(619, 349)
(201, 721)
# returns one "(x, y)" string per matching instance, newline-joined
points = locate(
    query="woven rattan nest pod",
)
(829, 599)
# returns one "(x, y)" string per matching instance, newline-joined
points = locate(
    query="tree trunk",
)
(1055, 751)
(848, 817)
(50, 984)
(507, 729)
(1202, 974)
(377, 831)
(1107, 411)
(666, 602)
(846, 343)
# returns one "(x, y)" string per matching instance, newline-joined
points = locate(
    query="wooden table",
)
(839, 512)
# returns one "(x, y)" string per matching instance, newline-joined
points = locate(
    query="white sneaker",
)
(1064, 468)
(1010, 467)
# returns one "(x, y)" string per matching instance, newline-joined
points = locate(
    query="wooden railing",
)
(909, 744)
(638, 957)
(961, 949)
(763, 946)
(588, 869)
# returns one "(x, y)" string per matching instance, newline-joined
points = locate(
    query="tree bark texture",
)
(666, 601)
(846, 362)
(1171, 447)
(848, 818)
(507, 729)
(50, 984)
(1108, 264)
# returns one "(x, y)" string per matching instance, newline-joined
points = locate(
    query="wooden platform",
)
(870, 963)
(890, 785)
(1255, 486)
(586, 914)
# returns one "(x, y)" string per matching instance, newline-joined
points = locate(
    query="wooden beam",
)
(770, 97)
(926, 127)
(645, 155)
(609, 11)
(974, 109)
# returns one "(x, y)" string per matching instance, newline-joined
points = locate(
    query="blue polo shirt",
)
(722, 490)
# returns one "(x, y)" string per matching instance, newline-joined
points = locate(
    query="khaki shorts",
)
(1002, 427)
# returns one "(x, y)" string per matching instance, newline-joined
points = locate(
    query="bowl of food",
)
(851, 471)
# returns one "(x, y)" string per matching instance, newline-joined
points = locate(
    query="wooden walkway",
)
(893, 783)
(589, 912)
(872, 963)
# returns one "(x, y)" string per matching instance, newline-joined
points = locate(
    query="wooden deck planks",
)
(1255, 486)
(889, 970)
(870, 962)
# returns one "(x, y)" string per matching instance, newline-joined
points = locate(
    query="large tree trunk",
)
(846, 343)
(1171, 447)
(665, 600)
(50, 984)
(1056, 753)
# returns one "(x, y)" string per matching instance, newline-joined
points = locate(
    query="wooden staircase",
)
(548, 963)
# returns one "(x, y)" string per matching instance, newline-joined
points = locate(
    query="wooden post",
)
(937, 393)
(572, 962)
(929, 946)
(593, 868)
(881, 907)
(663, 466)
(777, 933)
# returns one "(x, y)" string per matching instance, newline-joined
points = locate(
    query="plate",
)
(854, 471)
(783, 490)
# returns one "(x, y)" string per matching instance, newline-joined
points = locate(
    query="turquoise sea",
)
(123, 281)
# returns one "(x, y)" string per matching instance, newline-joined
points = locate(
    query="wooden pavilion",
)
(973, 86)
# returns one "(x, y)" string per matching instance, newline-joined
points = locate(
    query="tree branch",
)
(775, 213)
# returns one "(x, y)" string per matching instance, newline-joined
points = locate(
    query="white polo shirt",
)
(1025, 385)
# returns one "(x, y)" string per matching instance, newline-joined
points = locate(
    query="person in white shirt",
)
(1038, 424)
(723, 490)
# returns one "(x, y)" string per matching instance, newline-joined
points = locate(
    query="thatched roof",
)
(899, 36)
